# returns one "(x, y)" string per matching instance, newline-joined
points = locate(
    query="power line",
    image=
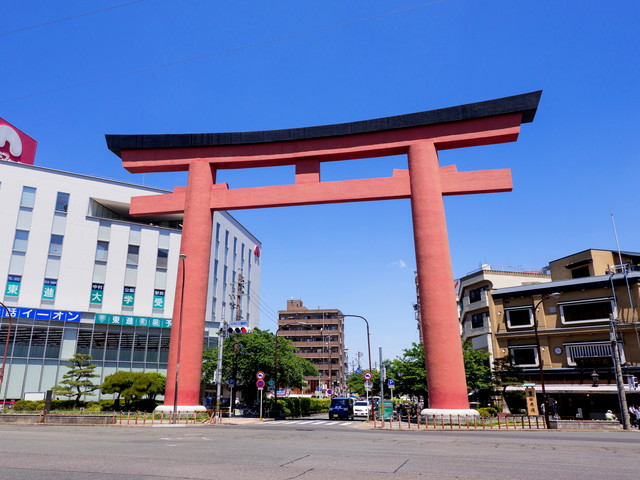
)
(72, 17)
(219, 52)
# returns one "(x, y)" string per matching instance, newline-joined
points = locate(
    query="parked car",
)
(341, 408)
(361, 408)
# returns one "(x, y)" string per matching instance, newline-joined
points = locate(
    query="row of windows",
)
(111, 344)
(570, 313)
(527, 355)
(28, 199)
(597, 310)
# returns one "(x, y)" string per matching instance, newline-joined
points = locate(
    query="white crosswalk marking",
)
(326, 423)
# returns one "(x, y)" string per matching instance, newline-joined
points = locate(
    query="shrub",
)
(28, 405)
(487, 411)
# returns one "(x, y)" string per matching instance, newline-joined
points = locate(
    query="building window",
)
(525, 356)
(102, 251)
(477, 319)
(133, 255)
(55, 246)
(475, 295)
(519, 317)
(580, 272)
(587, 350)
(597, 310)
(163, 258)
(28, 198)
(20, 241)
(62, 202)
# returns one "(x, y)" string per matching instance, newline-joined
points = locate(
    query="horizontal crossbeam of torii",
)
(418, 135)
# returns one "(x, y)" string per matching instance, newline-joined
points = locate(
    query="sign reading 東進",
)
(49, 289)
(41, 314)
(13, 286)
(131, 321)
(15, 145)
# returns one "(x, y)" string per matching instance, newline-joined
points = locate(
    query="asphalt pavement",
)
(250, 449)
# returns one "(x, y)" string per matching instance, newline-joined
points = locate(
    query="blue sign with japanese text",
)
(132, 321)
(41, 314)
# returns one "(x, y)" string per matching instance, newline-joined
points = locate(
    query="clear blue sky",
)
(158, 66)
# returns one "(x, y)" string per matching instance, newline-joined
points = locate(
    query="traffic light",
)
(233, 329)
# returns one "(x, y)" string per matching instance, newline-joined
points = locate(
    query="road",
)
(310, 450)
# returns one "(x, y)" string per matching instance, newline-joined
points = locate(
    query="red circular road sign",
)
(260, 375)
(260, 384)
(367, 376)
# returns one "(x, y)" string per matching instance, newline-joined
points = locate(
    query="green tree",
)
(133, 387)
(154, 384)
(476, 367)
(246, 354)
(409, 373)
(117, 383)
(505, 373)
(78, 379)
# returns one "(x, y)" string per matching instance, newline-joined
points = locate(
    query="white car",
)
(361, 409)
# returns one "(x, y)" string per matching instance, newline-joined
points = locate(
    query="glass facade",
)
(44, 347)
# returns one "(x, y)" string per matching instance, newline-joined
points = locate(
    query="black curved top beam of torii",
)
(526, 104)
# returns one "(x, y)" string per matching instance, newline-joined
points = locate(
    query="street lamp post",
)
(6, 349)
(540, 361)
(182, 258)
(368, 348)
(368, 335)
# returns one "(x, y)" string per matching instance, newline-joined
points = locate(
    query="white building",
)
(80, 275)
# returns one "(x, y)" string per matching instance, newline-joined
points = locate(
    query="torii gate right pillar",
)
(446, 379)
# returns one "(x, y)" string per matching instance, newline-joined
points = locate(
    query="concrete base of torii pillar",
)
(450, 416)
(168, 409)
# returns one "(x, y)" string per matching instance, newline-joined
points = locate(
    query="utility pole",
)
(239, 296)
(221, 334)
(615, 353)
(381, 377)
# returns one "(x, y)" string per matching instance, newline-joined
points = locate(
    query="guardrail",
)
(461, 422)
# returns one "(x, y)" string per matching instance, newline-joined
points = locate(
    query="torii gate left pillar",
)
(419, 136)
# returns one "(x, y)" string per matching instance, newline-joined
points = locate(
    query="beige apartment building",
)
(318, 336)
(591, 294)
(475, 301)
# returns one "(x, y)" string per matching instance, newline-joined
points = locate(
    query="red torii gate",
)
(419, 135)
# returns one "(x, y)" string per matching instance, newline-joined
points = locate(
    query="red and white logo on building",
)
(15, 145)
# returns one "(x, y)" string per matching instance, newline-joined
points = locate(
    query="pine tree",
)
(77, 381)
